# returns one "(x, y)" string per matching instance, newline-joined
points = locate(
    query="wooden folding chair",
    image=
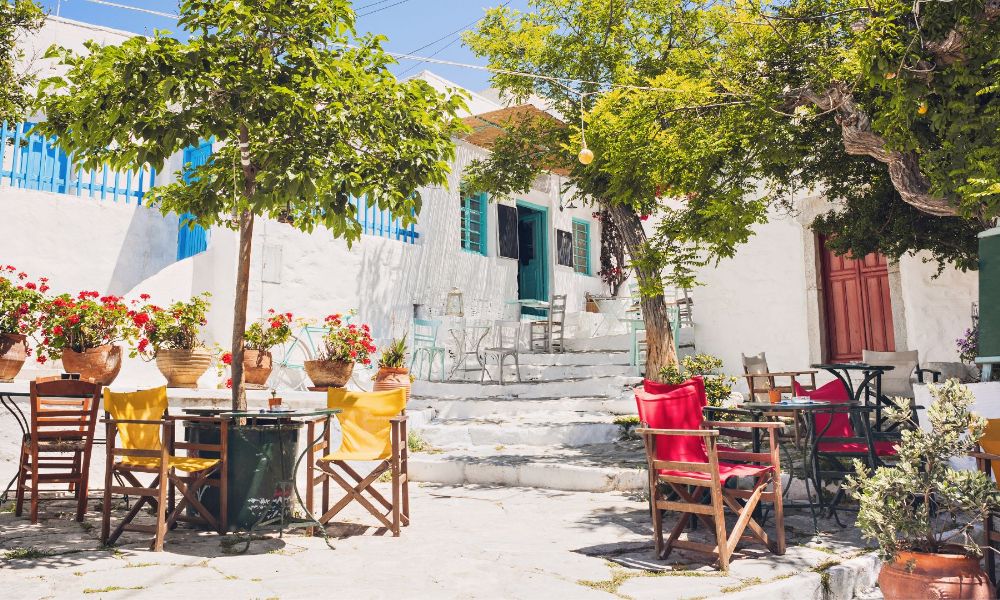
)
(373, 428)
(682, 453)
(146, 430)
(58, 447)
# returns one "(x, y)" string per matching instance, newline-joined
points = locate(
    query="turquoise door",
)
(532, 265)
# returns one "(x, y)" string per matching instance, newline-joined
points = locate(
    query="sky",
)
(422, 27)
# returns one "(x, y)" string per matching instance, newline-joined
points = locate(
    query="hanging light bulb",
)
(586, 155)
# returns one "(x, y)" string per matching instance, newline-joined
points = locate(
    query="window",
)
(581, 247)
(473, 226)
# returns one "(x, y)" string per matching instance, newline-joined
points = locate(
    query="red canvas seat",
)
(840, 425)
(682, 452)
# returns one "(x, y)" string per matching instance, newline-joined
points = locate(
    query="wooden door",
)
(858, 306)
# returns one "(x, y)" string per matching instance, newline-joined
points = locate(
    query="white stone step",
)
(473, 407)
(575, 358)
(603, 343)
(549, 372)
(545, 430)
(617, 466)
(609, 387)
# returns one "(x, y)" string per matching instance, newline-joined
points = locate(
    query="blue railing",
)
(34, 162)
(381, 223)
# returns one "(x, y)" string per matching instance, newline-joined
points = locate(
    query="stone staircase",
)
(555, 429)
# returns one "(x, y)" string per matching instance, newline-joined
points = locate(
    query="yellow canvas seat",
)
(373, 428)
(141, 422)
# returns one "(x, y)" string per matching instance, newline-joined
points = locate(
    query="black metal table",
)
(869, 388)
(857, 411)
(8, 393)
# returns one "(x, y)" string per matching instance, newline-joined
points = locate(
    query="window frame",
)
(586, 230)
(465, 214)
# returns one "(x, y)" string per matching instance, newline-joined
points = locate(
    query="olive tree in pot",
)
(921, 511)
(171, 338)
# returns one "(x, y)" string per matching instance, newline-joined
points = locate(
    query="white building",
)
(89, 231)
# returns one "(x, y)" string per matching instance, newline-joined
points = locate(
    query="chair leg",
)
(34, 486)
(779, 515)
(394, 466)
(441, 354)
(106, 507)
(405, 471)
(517, 368)
(161, 508)
(719, 516)
(83, 486)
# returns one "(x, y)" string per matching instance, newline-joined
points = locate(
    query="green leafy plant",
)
(176, 327)
(346, 342)
(718, 386)
(85, 321)
(274, 330)
(20, 300)
(923, 504)
(394, 354)
(17, 18)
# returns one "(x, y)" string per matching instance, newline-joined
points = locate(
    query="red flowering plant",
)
(174, 327)
(20, 300)
(274, 330)
(346, 342)
(87, 320)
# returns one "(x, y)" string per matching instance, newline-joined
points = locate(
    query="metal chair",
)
(508, 337)
(898, 383)
(425, 334)
(57, 449)
(547, 335)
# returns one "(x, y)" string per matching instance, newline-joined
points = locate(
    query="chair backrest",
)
(425, 332)
(990, 442)
(143, 405)
(63, 409)
(557, 309)
(896, 382)
(835, 393)
(757, 363)
(508, 335)
(364, 419)
(663, 406)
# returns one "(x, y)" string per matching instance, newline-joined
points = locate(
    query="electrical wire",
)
(461, 29)
(135, 8)
(380, 9)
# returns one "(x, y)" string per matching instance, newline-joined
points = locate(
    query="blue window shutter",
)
(192, 240)
(581, 246)
(483, 229)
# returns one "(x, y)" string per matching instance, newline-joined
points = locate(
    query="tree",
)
(307, 112)
(16, 19)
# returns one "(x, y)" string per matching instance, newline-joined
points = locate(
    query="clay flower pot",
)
(329, 373)
(390, 379)
(257, 367)
(924, 575)
(13, 353)
(100, 364)
(182, 368)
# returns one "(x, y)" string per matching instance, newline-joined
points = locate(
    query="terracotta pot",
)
(257, 367)
(924, 575)
(13, 353)
(329, 373)
(100, 364)
(182, 368)
(391, 379)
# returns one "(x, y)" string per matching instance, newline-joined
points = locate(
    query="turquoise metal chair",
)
(637, 352)
(425, 333)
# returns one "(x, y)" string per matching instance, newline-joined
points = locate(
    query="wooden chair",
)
(58, 447)
(761, 380)
(547, 335)
(682, 452)
(146, 430)
(987, 457)
(373, 428)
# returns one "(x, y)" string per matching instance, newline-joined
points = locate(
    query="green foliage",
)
(274, 330)
(82, 322)
(306, 112)
(394, 354)
(175, 327)
(922, 503)
(718, 386)
(17, 18)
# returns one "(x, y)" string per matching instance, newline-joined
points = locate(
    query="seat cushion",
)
(882, 448)
(726, 470)
(54, 445)
(181, 463)
(835, 393)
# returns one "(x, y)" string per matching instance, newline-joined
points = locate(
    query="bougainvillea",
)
(87, 320)
(346, 342)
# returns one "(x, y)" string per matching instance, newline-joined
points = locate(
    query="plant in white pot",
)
(172, 338)
(922, 511)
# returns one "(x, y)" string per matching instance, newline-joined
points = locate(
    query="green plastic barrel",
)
(261, 463)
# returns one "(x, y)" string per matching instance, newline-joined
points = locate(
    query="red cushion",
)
(658, 388)
(882, 448)
(677, 407)
(834, 392)
(726, 470)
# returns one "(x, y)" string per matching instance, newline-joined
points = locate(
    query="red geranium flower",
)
(227, 358)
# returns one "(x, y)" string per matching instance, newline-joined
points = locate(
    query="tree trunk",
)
(660, 350)
(240, 309)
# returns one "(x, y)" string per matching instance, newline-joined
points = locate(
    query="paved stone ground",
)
(465, 542)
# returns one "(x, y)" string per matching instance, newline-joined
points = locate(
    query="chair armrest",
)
(398, 419)
(709, 410)
(646, 431)
(751, 424)
(984, 455)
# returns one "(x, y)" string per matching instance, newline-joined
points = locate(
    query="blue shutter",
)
(192, 240)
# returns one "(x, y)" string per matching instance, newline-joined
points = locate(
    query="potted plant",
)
(921, 511)
(260, 337)
(171, 337)
(20, 300)
(86, 331)
(392, 372)
(344, 344)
